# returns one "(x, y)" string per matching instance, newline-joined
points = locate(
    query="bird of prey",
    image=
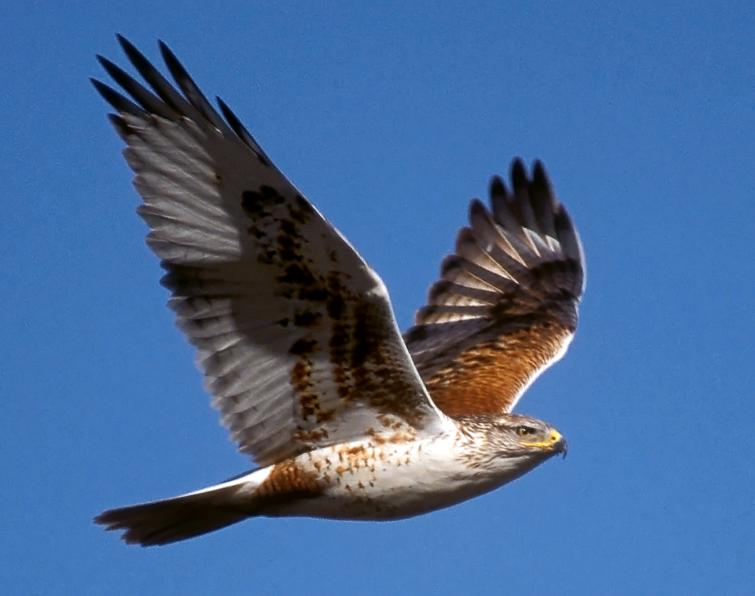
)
(297, 340)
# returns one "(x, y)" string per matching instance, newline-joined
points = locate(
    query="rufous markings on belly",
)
(286, 483)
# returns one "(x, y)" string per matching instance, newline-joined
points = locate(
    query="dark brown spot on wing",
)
(301, 383)
(355, 332)
(315, 436)
(310, 407)
(372, 358)
(306, 318)
(302, 347)
(301, 211)
(260, 203)
(298, 274)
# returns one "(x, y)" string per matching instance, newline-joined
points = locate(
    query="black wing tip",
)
(238, 127)
(125, 43)
(164, 48)
(109, 94)
(540, 176)
(518, 171)
(562, 219)
(97, 84)
(122, 104)
(139, 60)
(130, 49)
(116, 72)
(103, 61)
(135, 54)
(231, 118)
(173, 98)
(497, 188)
(172, 62)
(229, 115)
(534, 195)
(476, 207)
(112, 69)
(520, 180)
(538, 169)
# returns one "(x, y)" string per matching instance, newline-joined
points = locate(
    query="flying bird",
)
(298, 342)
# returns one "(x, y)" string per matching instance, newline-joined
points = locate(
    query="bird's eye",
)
(523, 431)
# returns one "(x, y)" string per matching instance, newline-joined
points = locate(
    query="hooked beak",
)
(558, 443)
(555, 443)
(562, 447)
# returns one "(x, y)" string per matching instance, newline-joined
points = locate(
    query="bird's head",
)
(514, 436)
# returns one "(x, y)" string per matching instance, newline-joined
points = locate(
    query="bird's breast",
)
(368, 480)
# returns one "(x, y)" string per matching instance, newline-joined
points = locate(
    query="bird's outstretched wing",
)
(505, 307)
(294, 332)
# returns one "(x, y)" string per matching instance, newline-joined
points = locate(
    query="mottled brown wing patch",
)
(348, 365)
(327, 320)
(506, 304)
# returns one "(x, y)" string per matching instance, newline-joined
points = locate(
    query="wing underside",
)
(294, 332)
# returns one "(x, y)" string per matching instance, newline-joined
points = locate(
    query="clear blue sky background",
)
(390, 118)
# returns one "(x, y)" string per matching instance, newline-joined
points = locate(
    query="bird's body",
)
(298, 343)
(363, 480)
(377, 479)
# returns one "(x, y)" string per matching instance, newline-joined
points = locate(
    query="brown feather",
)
(486, 378)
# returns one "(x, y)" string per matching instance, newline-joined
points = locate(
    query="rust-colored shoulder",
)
(488, 378)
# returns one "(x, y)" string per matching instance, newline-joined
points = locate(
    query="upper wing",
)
(505, 307)
(294, 332)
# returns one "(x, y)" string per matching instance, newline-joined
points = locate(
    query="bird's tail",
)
(186, 516)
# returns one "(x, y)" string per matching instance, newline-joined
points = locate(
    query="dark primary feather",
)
(146, 99)
(116, 100)
(158, 82)
(190, 89)
(506, 302)
(165, 101)
(243, 133)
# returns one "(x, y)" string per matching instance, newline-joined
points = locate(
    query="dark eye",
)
(523, 431)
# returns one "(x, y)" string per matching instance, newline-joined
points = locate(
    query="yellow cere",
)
(554, 438)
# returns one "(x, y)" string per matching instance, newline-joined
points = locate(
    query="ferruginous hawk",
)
(297, 340)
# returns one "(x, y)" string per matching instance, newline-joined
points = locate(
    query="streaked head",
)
(514, 435)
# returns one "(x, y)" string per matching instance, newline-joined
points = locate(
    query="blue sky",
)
(390, 117)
